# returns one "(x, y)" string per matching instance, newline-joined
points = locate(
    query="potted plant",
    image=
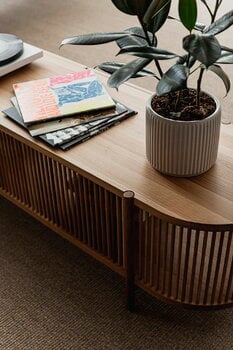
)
(182, 123)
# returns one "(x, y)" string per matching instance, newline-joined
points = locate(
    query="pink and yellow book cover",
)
(60, 96)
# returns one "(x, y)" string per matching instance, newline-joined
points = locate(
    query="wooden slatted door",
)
(185, 263)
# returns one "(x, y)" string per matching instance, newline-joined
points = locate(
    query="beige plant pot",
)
(182, 148)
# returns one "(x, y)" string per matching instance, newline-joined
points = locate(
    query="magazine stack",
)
(65, 110)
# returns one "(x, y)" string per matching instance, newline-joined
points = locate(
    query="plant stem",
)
(208, 8)
(159, 68)
(150, 44)
(199, 86)
(214, 13)
(217, 5)
(177, 99)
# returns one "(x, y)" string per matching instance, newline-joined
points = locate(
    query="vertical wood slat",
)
(47, 189)
(152, 267)
(10, 185)
(113, 228)
(217, 268)
(65, 198)
(210, 266)
(82, 209)
(57, 192)
(39, 191)
(107, 221)
(171, 263)
(78, 205)
(229, 290)
(9, 170)
(163, 288)
(194, 265)
(43, 179)
(54, 215)
(92, 214)
(86, 211)
(146, 247)
(119, 231)
(17, 163)
(158, 254)
(61, 190)
(202, 265)
(186, 265)
(225, 265)
(73, 203)
(3, 160)
(29, 185)
(33, 187)
(16, 166)
(25, 191)
(180, 244)
(139, 259)
(97, 209)
(103, 221)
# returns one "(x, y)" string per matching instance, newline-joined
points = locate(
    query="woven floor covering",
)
(53, 296)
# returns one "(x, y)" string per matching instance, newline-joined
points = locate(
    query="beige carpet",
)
(54, 297)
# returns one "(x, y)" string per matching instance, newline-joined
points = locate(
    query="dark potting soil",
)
(181, 105)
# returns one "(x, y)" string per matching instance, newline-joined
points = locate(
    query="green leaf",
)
(188, 13)
(94, 38)
(129, 70)
(199, 26)
(159, 19)
(226, 58)
(221, 74)
(155, 7)
(220, 24)
(188, 60)
(136, 39)
(148, 52)
(225, 48)
(133, 7)
(174, 79)
(204, 48)
(124, 6)
(111, 67)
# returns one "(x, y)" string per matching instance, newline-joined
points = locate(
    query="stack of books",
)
(65, 110)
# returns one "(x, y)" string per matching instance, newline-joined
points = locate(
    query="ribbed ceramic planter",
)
(182, 148)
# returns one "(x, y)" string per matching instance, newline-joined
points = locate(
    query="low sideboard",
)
(172, 237)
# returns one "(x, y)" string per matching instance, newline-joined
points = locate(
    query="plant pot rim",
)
(198, 121)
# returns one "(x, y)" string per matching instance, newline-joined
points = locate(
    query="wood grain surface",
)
(117, 159)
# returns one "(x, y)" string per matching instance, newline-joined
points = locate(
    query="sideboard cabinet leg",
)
(129, 244)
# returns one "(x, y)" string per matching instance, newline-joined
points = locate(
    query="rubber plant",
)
(173, 98)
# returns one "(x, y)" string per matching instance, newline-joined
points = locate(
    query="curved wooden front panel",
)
(185, 265)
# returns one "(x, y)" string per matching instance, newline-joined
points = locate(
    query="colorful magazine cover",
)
(56, 97)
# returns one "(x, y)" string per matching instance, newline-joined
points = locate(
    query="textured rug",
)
(53, 296)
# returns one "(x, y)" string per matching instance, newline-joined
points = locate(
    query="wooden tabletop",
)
(117, 157)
